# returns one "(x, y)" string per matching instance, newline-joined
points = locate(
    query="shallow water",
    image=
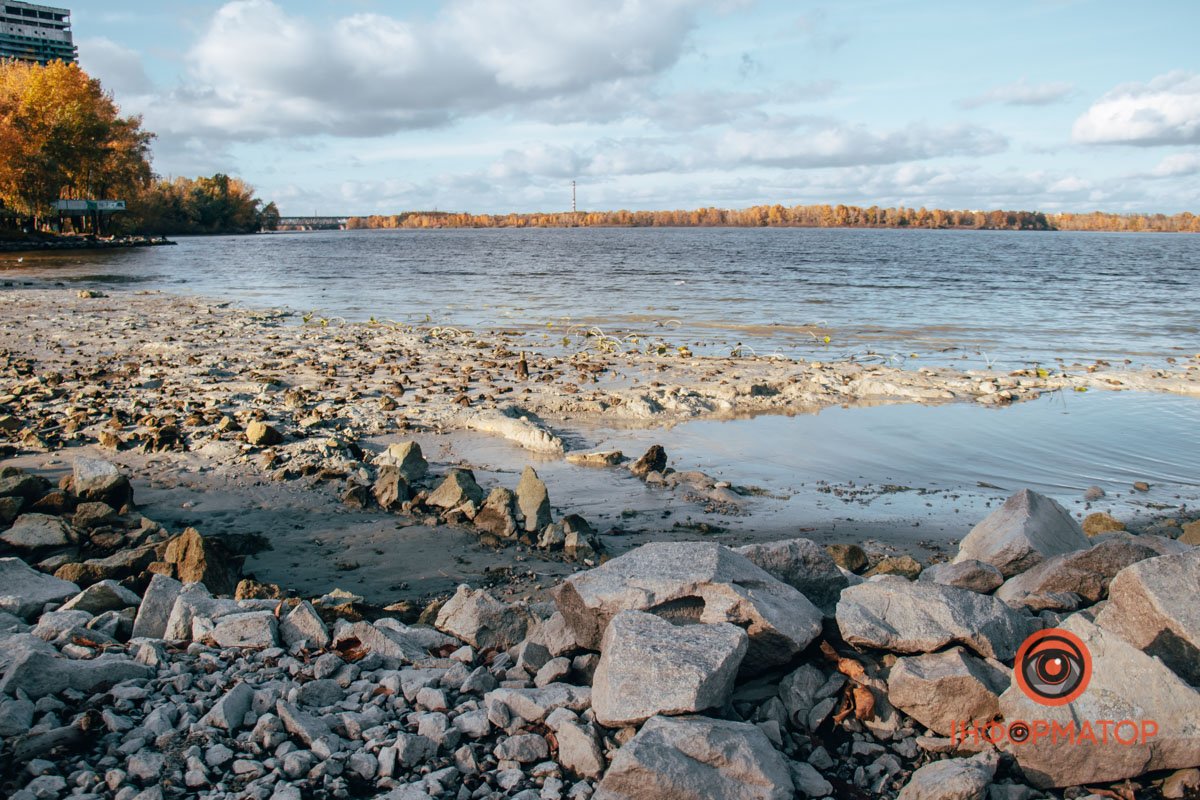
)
(966, 297)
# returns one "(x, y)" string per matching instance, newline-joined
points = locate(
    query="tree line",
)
(802, 216)
(63, 137)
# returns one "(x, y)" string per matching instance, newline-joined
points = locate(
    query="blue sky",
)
(495, 106)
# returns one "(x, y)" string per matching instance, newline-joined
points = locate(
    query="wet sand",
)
(340, 392)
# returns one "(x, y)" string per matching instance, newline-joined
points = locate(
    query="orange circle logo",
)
(1053, 667)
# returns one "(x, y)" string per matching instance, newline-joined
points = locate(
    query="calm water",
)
(974, 296)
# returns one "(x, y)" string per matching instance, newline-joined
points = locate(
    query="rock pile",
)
(680, 670)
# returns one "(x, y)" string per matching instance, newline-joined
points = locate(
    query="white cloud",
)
(1177, 165)
(1162, 112)
(118, 68)
(1021, 93)
(259, 72)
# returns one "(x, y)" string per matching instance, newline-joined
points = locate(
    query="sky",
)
(336, 107)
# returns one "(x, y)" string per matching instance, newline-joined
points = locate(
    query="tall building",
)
(35, 33)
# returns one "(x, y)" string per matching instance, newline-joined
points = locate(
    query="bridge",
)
(312, 223)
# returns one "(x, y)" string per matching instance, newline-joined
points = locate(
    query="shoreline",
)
(84, 243)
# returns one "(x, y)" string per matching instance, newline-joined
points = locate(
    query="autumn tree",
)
(61, 135)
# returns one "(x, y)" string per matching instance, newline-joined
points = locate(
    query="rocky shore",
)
(679, 669)
(139, 658)
(81, 243)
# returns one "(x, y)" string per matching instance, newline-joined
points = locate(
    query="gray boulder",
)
(802, 564)
(481, 620)
(39, 674)
(941, 689)
(230, 711)
(966, 574)
(407, 457)
(457, 488)
(33, 531)
(697, 758)
(155, 608)
(99, 481)
(1027, 529)
(247, 629)
(1083, 572)
(24, 591)
(696, 582)
(533, 500)
(534, 705)
(649, 666)
(103, 596)
(894, 614)
(497, 516)
(952, 779)
(1153, 606)
(1126, 684)
(303, 629)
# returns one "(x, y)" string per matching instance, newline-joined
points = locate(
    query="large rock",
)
(303, 629)
(407, 457)
(33, 531)
(653, 460)
(802, 564)
(262, 434)
(947, 688)
(390, 488)
(952, 779)
(457, 488)
(1027, 529)
(1126, 684)
(23, 485)
(696, 581)
(199, 560)
(894, 614)
(247, 629)
(697, 758)
(481, 620)
(533, 500)
(122, 564)
(1153, 605)
(38, 673)
(649, 666)
(24, 591)
(101, 597)
(535, 705)
(497, 516)
(99, 481)
(1084, 572)
(155, 608)
(966, 574)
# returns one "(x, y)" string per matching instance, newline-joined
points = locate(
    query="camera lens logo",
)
(1053, 667)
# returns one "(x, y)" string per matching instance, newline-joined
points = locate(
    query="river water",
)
(980, 297)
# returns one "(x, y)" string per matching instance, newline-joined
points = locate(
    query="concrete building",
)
(35, 33)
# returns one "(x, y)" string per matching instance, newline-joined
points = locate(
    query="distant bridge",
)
(312, 223)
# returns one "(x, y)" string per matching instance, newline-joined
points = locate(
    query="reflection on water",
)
(971, 297)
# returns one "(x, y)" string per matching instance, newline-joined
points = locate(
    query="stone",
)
(99, 481)
(457, 488)
(123, 564)
(803, 565)
(951, 687)
(103, 596)
(1153, 605)
(23, 485)
(250, 589)
(849, 557)
(390, 488)
(309, 729)
(1191, 534)
(481, 620)
(607, 458)
(696, 582)
(247, 629)
(10, 509)
(24, 591)
(808, 781)
(262, 434)
(952, 779)
(654, 460)
(579, 749)
(533, 501)
(1181, 784)
(534, 705)
(498, 516)
(407, 457)
(412, 749)
(554, 670)
(649, 667)
(1126, 684)
(93, 515)
(303, 629)
(38, 673)
(200, 560)
(1023, 532)
(1084, 572)
(697, 758)
(320, 693)
(34, 531)
(905, 566)
(350, 637)
(230, 711)
(918, 617)
(966, 574)
(1101, 522)
(16, 716)
(155, 608)
(525, 748)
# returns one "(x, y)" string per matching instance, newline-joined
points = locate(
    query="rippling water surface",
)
(1007, 298)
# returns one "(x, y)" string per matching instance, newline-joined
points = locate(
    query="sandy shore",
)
(166, 385)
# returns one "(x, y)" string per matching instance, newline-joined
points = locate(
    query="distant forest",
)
(777, 216)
